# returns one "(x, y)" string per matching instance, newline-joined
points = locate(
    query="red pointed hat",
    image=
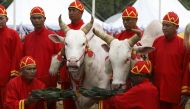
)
(130, 12)
(3, 10)
(27, 61)
(142, 67)
(37, 10)
(171, 17)
(78, 5)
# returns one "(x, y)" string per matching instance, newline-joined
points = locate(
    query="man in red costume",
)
(10, 53)
(19, 89)
(187, 62)
(169, 73)
(130, 17)
(38, 45)
(142, 94)
(76, 10)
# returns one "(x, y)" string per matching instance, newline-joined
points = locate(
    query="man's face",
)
(75, 14)
(3, 21)
(169, 29)
(29, 72)
(37, 21)
(129, 23)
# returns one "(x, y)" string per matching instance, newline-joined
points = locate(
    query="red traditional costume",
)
(186, 69)
(141, 96)
(129, 12)
(10, 53)
(18, 89)
(38, 45)
(168, 59)
(64, 76)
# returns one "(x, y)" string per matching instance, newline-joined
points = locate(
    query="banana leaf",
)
(185, 3)
(6, 3)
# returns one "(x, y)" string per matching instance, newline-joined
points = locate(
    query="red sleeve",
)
(185, 89)
(11, 98)
(61, 33)
(117, 35)
(16, 50)
(142, 96)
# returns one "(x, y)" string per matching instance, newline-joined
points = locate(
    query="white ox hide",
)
(120, 61)
(80, 64)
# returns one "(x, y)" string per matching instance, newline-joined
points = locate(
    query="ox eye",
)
(83, 44)
(66, 44)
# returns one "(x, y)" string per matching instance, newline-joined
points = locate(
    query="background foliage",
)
(6, 3)
(107, 8)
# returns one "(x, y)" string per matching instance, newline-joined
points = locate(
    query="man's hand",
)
(30, 100)
(118, 86)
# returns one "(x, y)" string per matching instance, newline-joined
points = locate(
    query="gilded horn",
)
(137, 37)
(106, 37)
(88, 26)
(63, 26)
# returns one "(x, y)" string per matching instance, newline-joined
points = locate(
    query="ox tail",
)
(54, 66)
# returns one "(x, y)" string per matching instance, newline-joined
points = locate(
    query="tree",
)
(185, 3)
(107, 8)
(6, 3)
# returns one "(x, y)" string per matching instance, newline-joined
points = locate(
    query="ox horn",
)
(133, 40)
(88, 26)
(63, 26)
(107, 38)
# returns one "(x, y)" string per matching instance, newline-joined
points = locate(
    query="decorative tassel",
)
(89, 52)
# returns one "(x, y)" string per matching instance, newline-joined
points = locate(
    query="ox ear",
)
(56, 38)
(144, 50)
(108, 67)
(105, 47)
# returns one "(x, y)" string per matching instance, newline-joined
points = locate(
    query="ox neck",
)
(77, 77)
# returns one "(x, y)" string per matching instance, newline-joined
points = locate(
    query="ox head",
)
(120, 54)
(75, 42)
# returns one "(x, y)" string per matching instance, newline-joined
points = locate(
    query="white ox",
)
(89, 71)
(120, 61)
